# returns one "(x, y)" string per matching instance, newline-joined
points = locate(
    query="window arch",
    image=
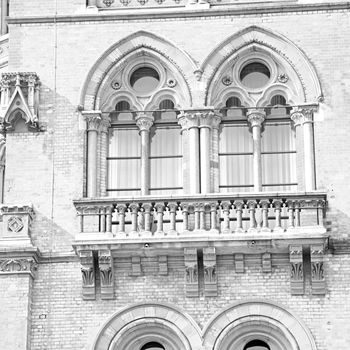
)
(153, 346)
(256, 344)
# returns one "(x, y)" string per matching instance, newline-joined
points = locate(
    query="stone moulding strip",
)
(328, 6)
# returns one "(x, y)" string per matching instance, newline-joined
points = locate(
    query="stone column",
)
(104, 126)
(144, 122)
(256, 118)
(303, 117)
(93, 119)
(4, 14)
(189, 122)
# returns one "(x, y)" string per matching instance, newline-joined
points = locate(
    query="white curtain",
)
(278, 157)
(236, 158)
(124, 162)
(166, 160)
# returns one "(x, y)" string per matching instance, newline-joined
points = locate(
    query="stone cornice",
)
(182, 13)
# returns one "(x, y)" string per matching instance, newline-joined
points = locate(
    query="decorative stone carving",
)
(116, 85)
(163, 265)
(283, 78)
(20, 100)
(302, 115)
(171, 82)
(88, 274)
(144, 121)
(105, 263)
(93, 119)
(191, 274)
(108, 3)
(198, 74)
(16, 222)
(266, 263)
(136, 266)
(296, 269)
(25, 265)
(210, 275)
(226, 80)
(239, 263)
(318, 283)
(256, 117)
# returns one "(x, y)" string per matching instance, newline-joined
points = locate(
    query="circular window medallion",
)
(144, 80)
(255, 75)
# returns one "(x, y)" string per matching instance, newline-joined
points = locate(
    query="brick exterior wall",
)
(47, 169)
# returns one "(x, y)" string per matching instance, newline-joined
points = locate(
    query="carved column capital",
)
(144, 121)
(105, 123)
(189, 120)
(93, 119)
(256, 117)
(301, 115)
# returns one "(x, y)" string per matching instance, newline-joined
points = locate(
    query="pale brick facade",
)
(43, 302)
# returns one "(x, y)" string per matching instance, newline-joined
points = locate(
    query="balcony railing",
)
(206, 215)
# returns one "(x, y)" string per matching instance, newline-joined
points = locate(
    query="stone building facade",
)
(174, 175)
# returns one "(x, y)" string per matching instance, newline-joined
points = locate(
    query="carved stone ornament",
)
(144, 122)
(105, 263)
(116, 85)
(301, 115)
(171, 82)
(108, 3)
(198, 74)
(318, 283)
(210, 275)
(296, 270)
(20, 100)
(18, 265)
(15, 224)
(125, 2)
(88, 274)
(283, 78)
(226, 80)
(255, 117)
(191, 272)
(93, 119)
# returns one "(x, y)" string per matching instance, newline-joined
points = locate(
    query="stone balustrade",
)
(214, 214)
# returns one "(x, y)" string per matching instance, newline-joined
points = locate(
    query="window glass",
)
(144, 79)
(256, 345)
(255, 75)
(122, 112)
(152, 346)
(234, 112)
(166, 111)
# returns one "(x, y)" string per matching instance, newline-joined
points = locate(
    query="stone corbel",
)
(296, 269)
(318, 282)
(210, 275)
(88, 274)
(16, 224)
(191, 272)
(239, 263)
(105, 263)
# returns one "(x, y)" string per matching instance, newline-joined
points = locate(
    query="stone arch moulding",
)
(142, 40)
(135, 325)
(256, 319)
(272, 43)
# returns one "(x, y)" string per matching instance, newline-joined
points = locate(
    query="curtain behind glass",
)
(124, 162)
(166, 160)
(235, 158)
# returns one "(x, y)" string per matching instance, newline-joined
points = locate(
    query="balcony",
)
(222, 220)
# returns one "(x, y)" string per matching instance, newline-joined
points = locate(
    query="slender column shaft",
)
(309, 156)
(3, 16)
(193, 134)
(105, 124)
(205, 159)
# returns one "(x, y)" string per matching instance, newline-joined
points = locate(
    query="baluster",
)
(184, 208)
(290, 205)
(213, 216)
(202, 216)
(251, 204)
(147, 207)
(196, 216)
(320, 211)
(172, 209)
(239, 213)
(297, 213)
(121, 208)
(134, 207)
(226, 205)
(109, 211)
(80, 211)
(102, 214)
(278, 207)
(265, 215)
(160, 211)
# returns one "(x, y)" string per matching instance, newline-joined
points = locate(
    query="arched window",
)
(152, 346)
(256, 345)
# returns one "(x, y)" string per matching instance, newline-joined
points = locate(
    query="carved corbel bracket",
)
(296, 269)
(191, 272)
(105, 263)
(210, 275)
(88, 274)
(318, 282)
(17, 221)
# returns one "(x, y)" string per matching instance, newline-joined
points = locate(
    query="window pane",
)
(278, 137)
(166, 141)
(144, 79)
(124, 143)
(255, 75)
(235, 139)
(124, 174)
